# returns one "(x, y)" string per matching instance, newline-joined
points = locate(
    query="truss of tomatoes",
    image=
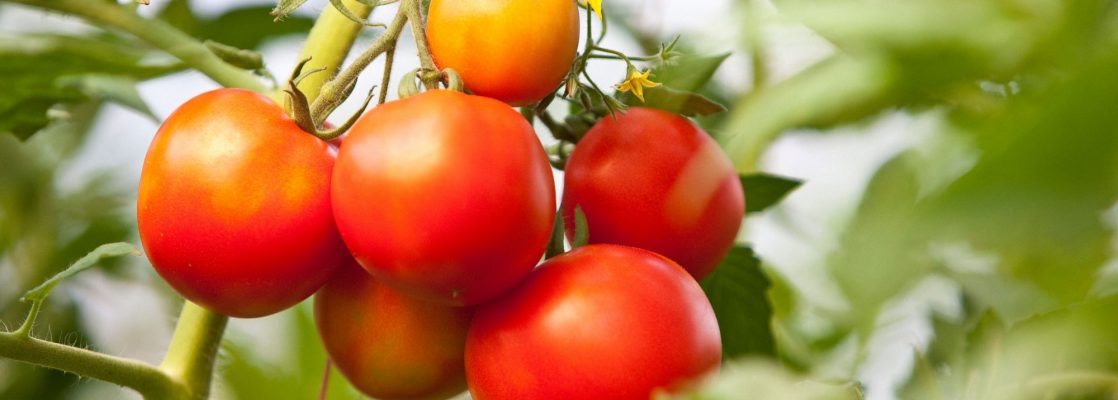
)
(422, 235)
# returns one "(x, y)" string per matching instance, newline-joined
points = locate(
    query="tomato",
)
(234, 205)
(654, 180)
(445, 196)
(516, 51)
(600, 322)
(391, 346)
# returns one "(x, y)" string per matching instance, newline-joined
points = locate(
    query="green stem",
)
(25, 329)
(628, 58)
(414, 11)
(614, 52)
(386, 79)
(159, 34)
(146, 379)
(336, 89)
(190, 358)
(328, 44)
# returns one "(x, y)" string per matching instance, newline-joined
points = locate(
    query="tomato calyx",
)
(300, 107)
(450, 79)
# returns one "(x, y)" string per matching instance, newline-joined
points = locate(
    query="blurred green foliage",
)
(1011, 200)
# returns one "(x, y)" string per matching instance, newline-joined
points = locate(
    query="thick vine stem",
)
(329, 42)
(159, 34)
(335, 90)
(190, 358)
(148, 380)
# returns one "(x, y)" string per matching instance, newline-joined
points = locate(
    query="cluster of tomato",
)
(422, 232)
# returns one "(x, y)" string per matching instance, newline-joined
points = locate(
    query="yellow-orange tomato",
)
(516, 51)
(389, 345)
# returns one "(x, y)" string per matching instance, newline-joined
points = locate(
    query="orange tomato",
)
(234, 205)
(516, 51)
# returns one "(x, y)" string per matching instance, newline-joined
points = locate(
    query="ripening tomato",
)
(652, 179)
(516, 51)
(389, 345)
(445, 196)
(234, 205)
(600, 322)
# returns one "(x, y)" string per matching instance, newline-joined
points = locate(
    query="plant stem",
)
(419, 30)
(190, 358)
(386, 79)
(328, 44)
(159, 34)
(146, 379)
(336, 89)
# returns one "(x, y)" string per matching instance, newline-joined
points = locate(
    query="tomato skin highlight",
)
(516, 51)
(234, 205)
(654, 180)
(389, 345)
(445, 196)
(600, 322)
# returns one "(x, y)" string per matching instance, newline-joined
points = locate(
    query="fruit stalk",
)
(328, 44)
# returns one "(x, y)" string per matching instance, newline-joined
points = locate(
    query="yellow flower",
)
(636, 83)
(595, 5)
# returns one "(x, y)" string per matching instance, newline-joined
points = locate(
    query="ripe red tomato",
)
(654, 180)
(516, 51)
(234, 205)
(389, 345)
(445, 196)
(600, 322)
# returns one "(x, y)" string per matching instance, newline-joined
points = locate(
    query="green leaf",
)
(764, 190)
(249, 27)
(118, 89)
(675, 101)
(245, 28)
(101, 252)
(285, 8)
(240, 58)
(44, 72)
(738, 291)
(690, 73)
(1047, 175)
(763, 380)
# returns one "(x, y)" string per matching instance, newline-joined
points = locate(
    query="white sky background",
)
(132, 320)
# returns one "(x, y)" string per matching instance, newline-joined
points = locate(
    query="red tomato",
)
(445, 196)
(600, 322)
(234, 205)
(654, 180)
(391, 346)
(516, 51)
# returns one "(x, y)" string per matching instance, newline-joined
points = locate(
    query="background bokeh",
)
(952, 238)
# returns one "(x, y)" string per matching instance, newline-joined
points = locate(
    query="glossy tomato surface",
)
(516, 51)
(234, 205)
(654, 180)
(389, 345)
(445, 196)
(600, 322)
